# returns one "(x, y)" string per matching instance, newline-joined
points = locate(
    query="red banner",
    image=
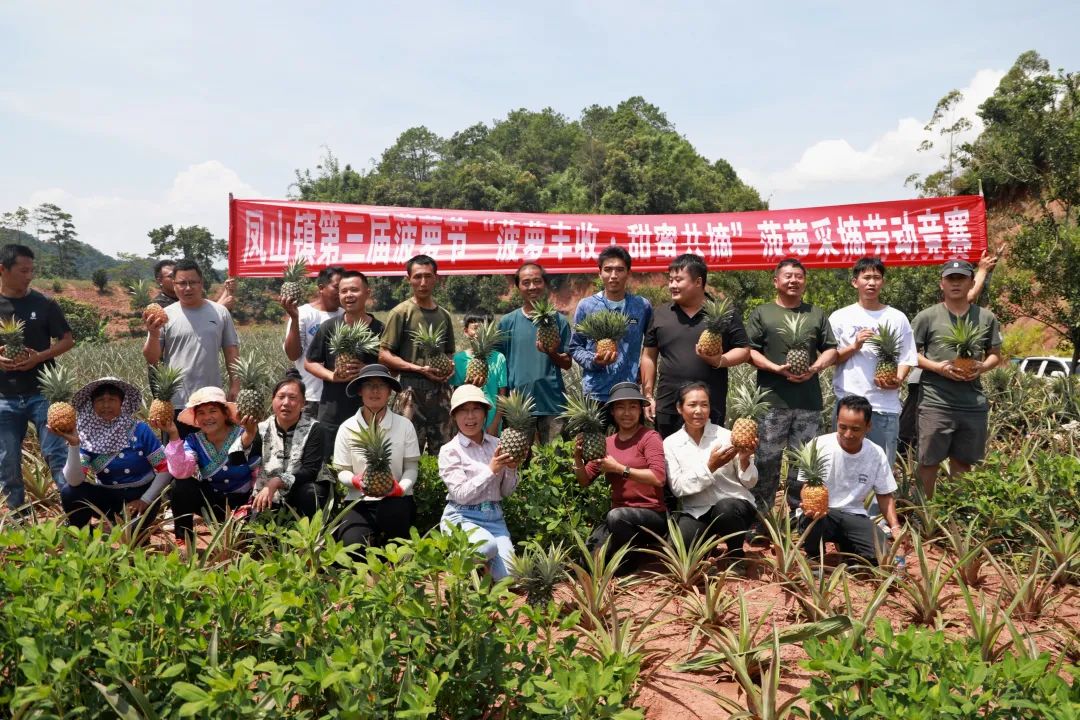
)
(266, 235)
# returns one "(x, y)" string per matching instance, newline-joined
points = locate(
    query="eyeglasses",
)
(188, 284)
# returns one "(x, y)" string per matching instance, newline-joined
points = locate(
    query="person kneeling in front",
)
(851, 468)
(477, 478)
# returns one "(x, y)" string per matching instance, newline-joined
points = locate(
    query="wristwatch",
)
(626, 471)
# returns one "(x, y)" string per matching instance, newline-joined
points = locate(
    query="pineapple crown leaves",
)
(582, 414)
(429, 338)
(964, 338)
(356, 339)
(885, 342)
(544, 312)
(517, 410)
(749, 401)
(165, 381)
(250, 371)
(796, 330)
(811, 461)
(296, 271)
(484, 340)
(604, 325)
(373, 443)
(718, 313)
(12, 326)
(57, 383)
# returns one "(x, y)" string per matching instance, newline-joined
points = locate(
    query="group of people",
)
(215, 461)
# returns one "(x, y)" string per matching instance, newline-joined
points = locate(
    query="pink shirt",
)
(464, 467)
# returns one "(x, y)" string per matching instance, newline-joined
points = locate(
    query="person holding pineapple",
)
(343, 345)
(957, 342)
(190, 335)
(695, 338)
(478, 474)
(790, 343)
(633, 465)
(417, 344)
(115, 465)
(304, 320)
(537, 337)
(609, 328)
(33, 333)
(875, 353)
(482, 365)
(710, 474)
(377, 459)
(213, 467)
(837, 472)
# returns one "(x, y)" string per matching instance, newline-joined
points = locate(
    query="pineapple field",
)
(278, 620)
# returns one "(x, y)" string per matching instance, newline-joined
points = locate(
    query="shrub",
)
(86, 321)
(100, 278)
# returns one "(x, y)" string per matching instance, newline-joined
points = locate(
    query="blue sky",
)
(131, 115)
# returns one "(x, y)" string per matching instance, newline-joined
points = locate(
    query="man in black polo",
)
(672, 337)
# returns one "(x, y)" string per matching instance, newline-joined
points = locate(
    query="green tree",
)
(56, 229)
(191, 242)
(16, 219)
(100, 278)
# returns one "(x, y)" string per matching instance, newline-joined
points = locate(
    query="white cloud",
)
(887, 161)
(119, 223)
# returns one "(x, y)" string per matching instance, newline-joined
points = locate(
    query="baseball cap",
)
(957, 267)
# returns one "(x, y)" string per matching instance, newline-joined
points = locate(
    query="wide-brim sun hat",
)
(467, 394)
(204, 396)
(132, 395)
(374, 371)
(625, 391)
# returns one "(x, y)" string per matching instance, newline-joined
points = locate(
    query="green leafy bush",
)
(921, 674)
(86, 321)
(90, 625)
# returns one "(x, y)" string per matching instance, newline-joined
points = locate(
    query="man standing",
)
(336, 405)
(794, 415)
(195, 332)
(672, 336)
(532, 369)
(163, 276)
(853, 470)
(45, 335)
(857, 359)
(601, 372)
(304, 321)
(429, 387)
(953, 408)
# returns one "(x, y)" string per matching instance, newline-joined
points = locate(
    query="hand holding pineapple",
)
(501, 461)
(72, 437)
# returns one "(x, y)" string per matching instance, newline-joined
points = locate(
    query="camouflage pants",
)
(548, 428)
(780, 429)
(427, 404)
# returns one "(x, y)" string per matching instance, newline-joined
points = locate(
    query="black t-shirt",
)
(44, 321)
(336, 406)
(163, 300)
(675, 334)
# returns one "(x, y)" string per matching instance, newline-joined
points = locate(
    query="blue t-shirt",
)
(495, 382)
(597, 381)
(530, 371)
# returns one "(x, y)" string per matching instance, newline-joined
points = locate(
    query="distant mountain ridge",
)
(88, 260)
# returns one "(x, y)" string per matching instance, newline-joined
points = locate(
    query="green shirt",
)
(763, 330)
(530, 371)
(496, 377)
(938, 390)
(406, 318)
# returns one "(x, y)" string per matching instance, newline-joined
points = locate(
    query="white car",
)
(1046, 366)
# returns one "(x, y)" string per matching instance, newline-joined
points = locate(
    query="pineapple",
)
(748, 406)
(251, 400)
(796, 333)
(58, 385)
(545, 318)
(154, 311)
(295, 280)
(813, 465)
(517, 434)
(965, 339)
(140, 291)
(350, 343)
(605, 327)
(585, 418)
(717, 318)
(886, 344)
(165, 381)
(429, 342)
(11, 336)
(373, 444)
(482, 342)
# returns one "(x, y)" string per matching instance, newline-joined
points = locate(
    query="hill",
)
(87, 257)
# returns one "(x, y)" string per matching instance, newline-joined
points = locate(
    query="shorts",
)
(957, 434)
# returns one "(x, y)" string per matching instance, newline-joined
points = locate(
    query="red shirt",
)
(645, 449)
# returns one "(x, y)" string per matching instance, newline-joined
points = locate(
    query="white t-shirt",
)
(309, 319)
(855, 376)
(851, 478)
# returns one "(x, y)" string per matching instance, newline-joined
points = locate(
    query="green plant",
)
(595, 580)
(57, 287)
(926, 590)
(709, 609)
(970, 554)
(100, 278)
(685, 566)
(86, 321)
(1028, 586)
(761, 694)
(1062, 546)
(537, 570)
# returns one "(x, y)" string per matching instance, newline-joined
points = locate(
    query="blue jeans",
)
(485, 525)
(885, 433)
(15, 412)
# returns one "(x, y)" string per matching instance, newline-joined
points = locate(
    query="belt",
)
(485, 506)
